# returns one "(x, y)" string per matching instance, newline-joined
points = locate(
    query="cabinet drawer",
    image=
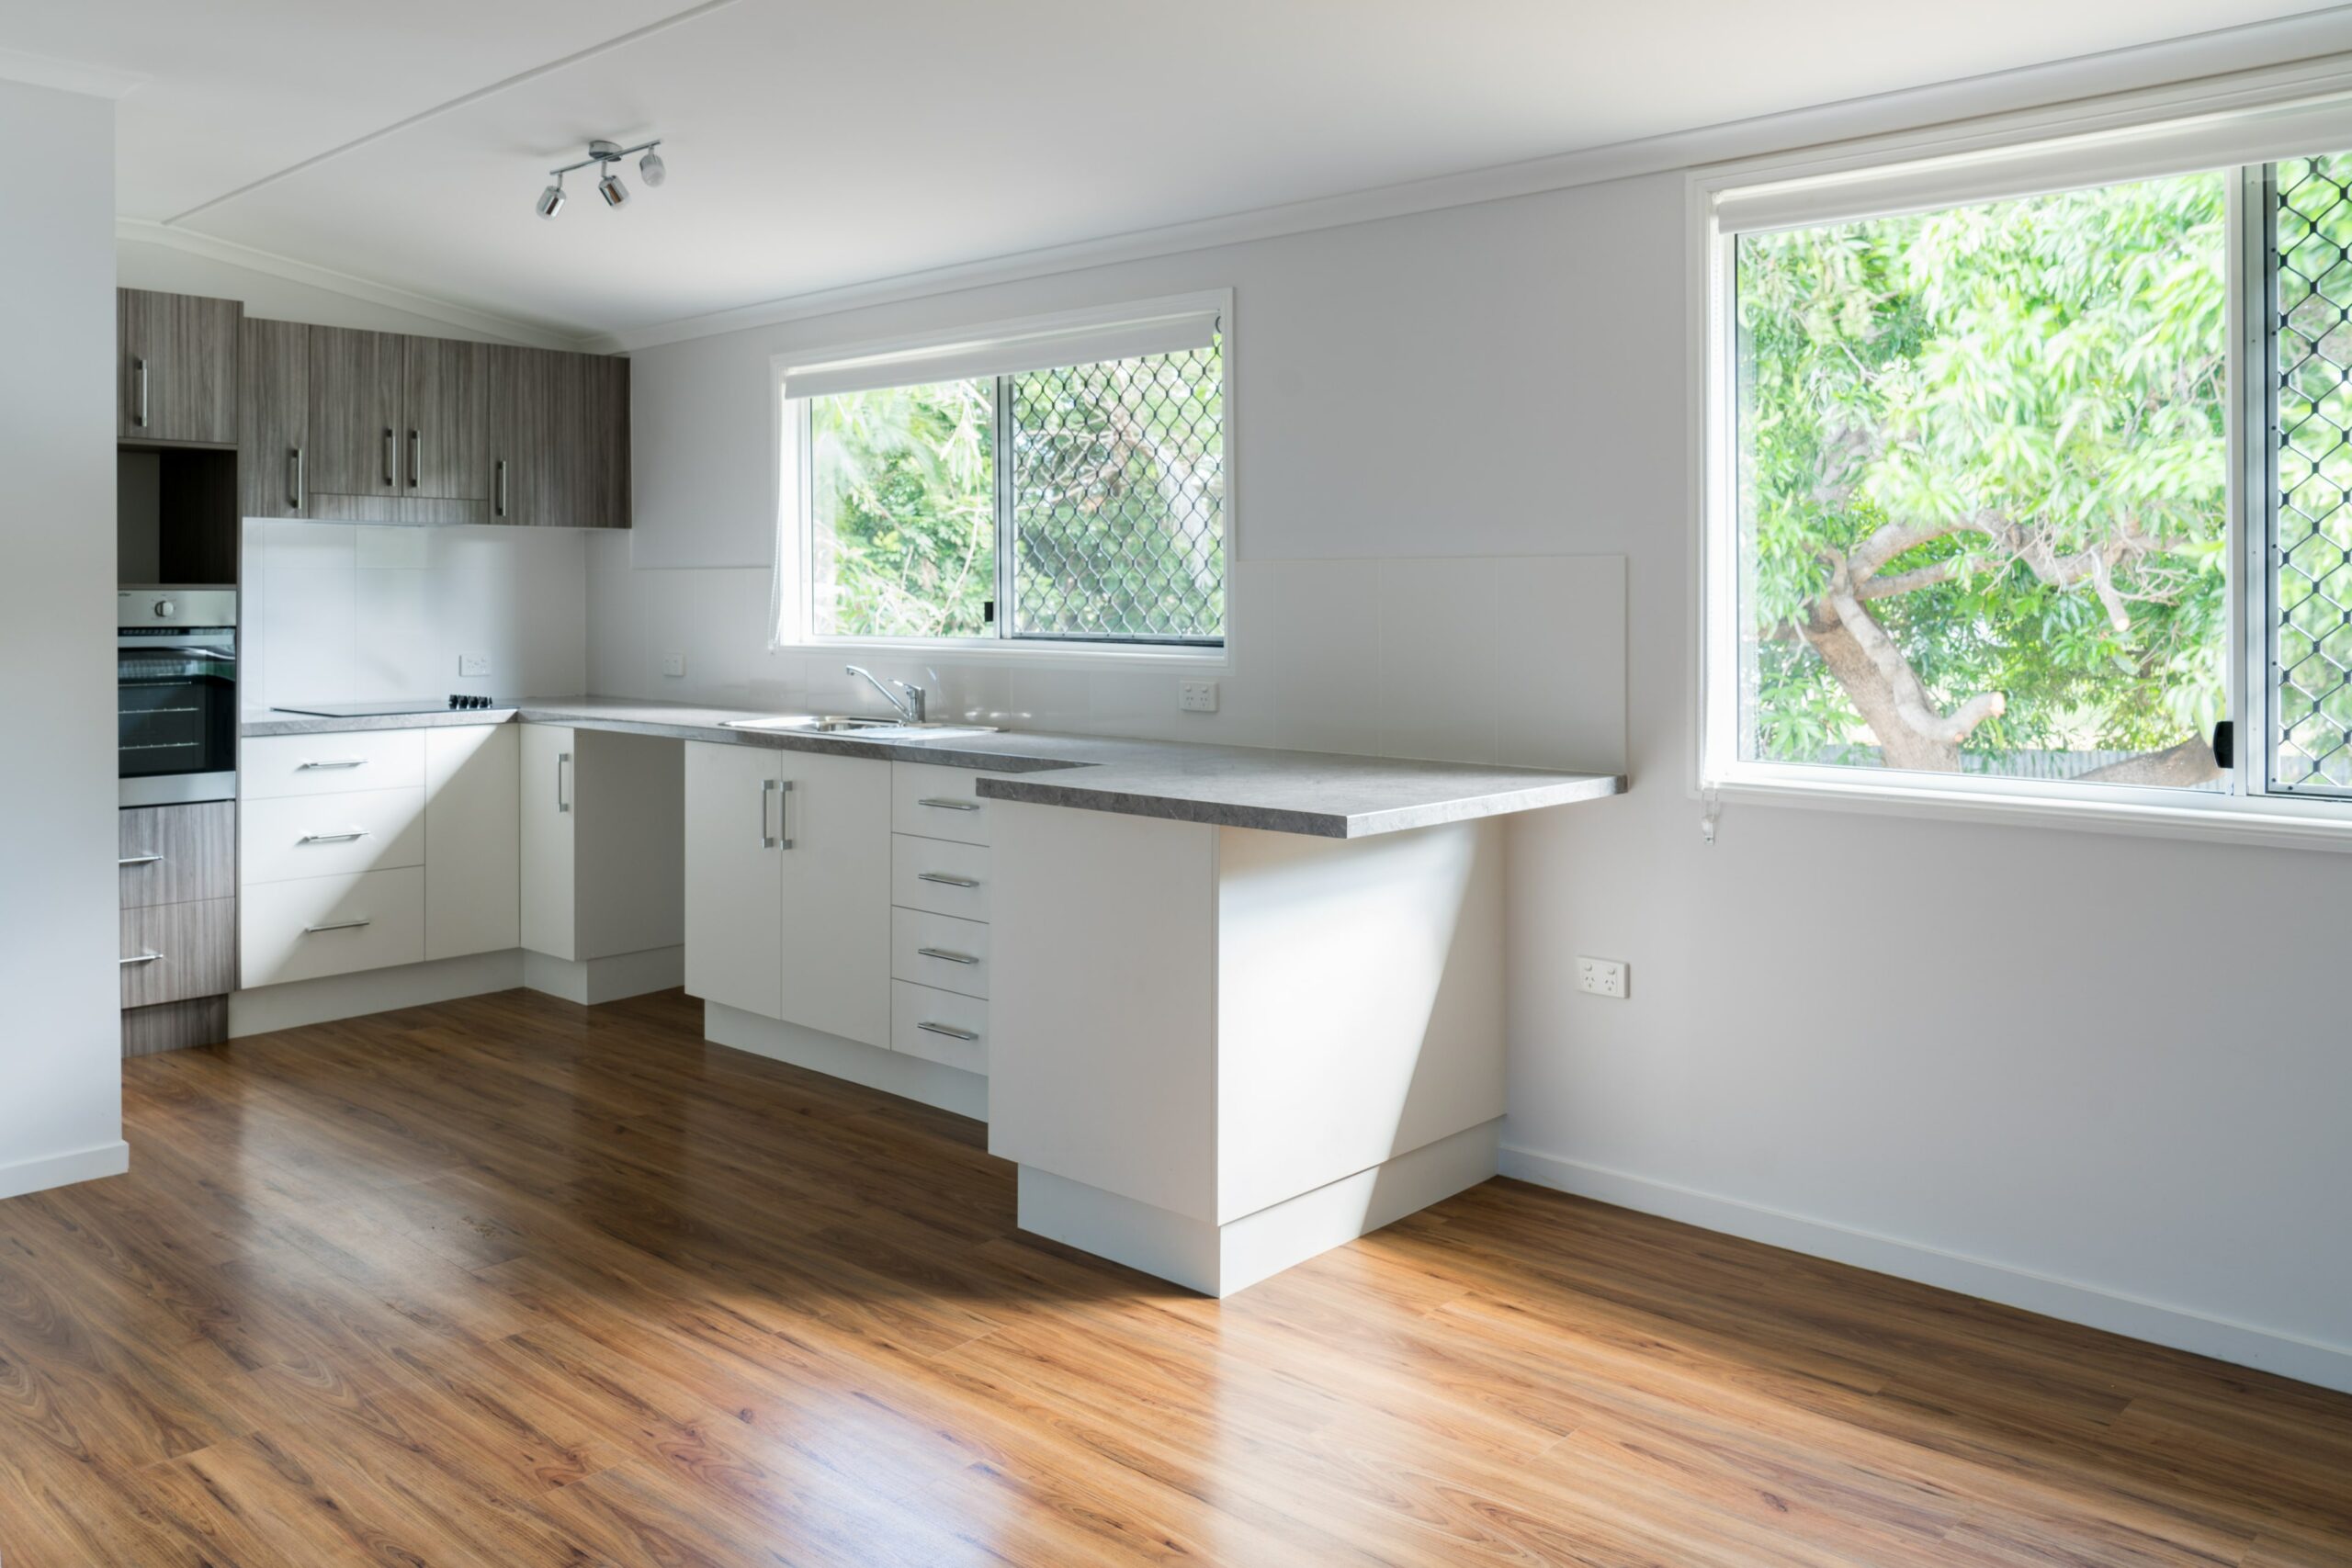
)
(939, 1026)
(272, 765)
(312, 835)
(918, 941)
(172, 951)
(944, 878)
(332, 925)
(933, 802)
(177, 854)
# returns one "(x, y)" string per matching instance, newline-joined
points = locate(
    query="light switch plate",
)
(1601, 976)
(1197, 696)
(473, 665)
(674, 664)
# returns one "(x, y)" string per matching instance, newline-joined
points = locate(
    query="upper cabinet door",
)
(606, 440)
(445, 442)
(354, 417)
(178, 367)
(559, 442)
(273, 418)
(523, 430)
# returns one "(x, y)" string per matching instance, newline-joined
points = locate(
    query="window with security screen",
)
(1056, 500)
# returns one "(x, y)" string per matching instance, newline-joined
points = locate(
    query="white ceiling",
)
(814, 146)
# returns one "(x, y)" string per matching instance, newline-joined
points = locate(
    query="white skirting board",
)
(2329, 1366)
(331, 997)
(1218, 1261)
(909, 1078)
(597, 980)
(64, 1170)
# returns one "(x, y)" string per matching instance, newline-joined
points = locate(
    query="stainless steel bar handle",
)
(767, 791)
(141, 958)
(335, 762)
(562, 779)
(333, 838)
(942, 953)
(339, 926)
(416, 460)
(949, 1030)
(951, 804)
(501, 487)
(139, 859)
(945, 880)
(392, 475)
(784, 814)
(140, 418)
(294, 461)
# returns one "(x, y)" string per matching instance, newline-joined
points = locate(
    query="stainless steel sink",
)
(854, 724)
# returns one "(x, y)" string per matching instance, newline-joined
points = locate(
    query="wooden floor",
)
(510, 1281)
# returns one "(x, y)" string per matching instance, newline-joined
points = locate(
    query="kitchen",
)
(928, 793)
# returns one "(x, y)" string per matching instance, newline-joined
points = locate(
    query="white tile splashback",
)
(342, 612)
(1517, 659)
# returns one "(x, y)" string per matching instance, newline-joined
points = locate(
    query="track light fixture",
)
(604, 157)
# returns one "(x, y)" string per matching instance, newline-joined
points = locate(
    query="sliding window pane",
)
(903, 495)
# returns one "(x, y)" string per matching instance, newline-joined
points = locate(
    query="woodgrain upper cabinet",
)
(177, 368)
(558, 439)
(444, 413)
(274, 418)
(354, 413)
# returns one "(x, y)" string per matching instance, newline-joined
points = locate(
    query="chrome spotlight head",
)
(652, 169)
(551, 201)
(610, 188)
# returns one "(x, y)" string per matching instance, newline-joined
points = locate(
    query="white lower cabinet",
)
(331, 925)
(471, 856)
(939, 1026)
(788, 886)
(602, 842)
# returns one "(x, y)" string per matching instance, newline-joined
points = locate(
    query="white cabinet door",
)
(548, 785)
(734, 876)
(471, 850)
(836, 949)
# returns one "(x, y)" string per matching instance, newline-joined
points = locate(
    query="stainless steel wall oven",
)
(175, 675)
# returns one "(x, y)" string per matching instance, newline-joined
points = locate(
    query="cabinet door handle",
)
(951, 804)
(941, 952)
(767, 791)
(391, 474)
(784, 814)
(944, 880)
(139, 368)
(563, 778)
(333, 838)
(138, 958)
(416, 460)
(336, 762)
(139, 859)
(294, 494)
(338, 926)
(949, 1030)
(500, 489)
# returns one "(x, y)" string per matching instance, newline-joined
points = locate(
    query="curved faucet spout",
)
(910, 710)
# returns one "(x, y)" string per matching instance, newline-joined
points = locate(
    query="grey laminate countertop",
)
(1321, 793)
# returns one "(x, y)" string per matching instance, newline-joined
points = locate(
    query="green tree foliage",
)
(904, 491)
(1983, 480)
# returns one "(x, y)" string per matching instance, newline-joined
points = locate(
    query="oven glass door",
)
(177, 701)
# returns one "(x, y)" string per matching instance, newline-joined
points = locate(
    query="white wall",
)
(61, 1044)
(343, 612)
(2102, 1075)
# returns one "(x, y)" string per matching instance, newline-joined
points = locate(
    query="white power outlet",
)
(1601, 976)
(473, 665)
(1197, 696)
(674, 664)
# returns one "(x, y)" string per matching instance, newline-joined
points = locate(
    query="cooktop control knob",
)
(163, 608)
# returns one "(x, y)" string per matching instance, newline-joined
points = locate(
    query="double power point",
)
(1601, 976)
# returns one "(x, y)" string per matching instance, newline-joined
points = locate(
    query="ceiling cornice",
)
(144, 232)
(68, 75)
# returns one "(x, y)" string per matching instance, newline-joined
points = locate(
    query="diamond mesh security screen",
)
(1118, 500)
(2312, 518)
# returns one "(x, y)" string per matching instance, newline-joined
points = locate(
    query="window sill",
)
(1055, 655)
(2218, 818)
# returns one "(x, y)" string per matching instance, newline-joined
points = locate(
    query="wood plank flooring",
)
(509, 1281)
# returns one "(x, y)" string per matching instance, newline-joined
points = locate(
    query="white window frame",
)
(793, 604)
(2108, 135)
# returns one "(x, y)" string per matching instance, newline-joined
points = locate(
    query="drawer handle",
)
(141, 958)
(338, 926)
(333, 838)
(951, 804)
(949, 1030)
(941, 953)
(945, 880)
(336, 762)
(139, 859)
